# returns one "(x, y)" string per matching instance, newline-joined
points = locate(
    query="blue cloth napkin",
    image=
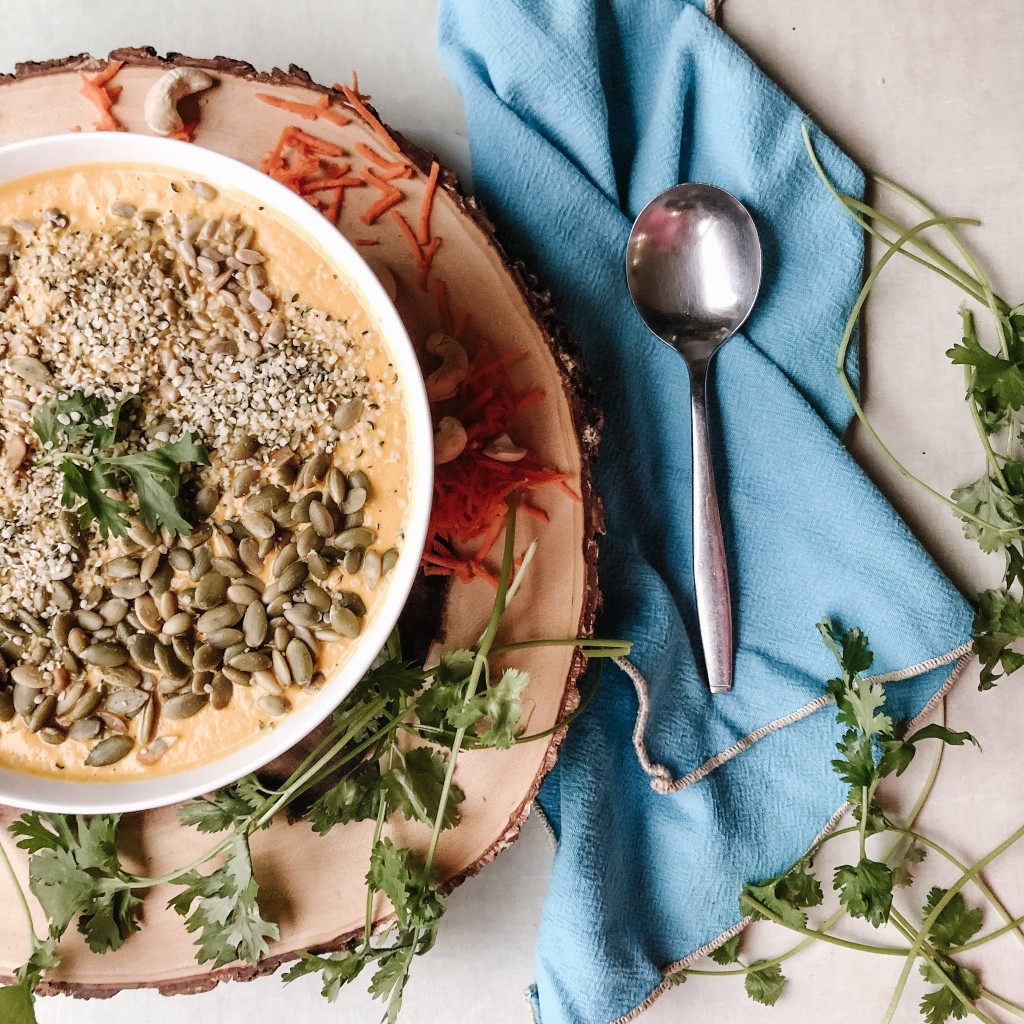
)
(666, 799)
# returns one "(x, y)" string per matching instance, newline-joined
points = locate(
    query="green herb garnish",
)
(78, 436)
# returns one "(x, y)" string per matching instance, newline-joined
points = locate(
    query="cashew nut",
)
(504, 449)
(449, 440)
(445, 380)
(161, 109)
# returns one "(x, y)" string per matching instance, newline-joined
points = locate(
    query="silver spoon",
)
(693, 265)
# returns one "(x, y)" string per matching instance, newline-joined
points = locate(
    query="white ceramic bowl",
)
(24, 159)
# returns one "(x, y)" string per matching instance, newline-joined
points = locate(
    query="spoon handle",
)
(710, 570)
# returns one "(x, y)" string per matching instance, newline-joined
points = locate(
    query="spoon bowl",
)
(693, 267)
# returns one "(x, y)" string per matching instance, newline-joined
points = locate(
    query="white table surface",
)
(928, 92)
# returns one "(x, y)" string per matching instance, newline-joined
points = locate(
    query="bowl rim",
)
(34, 791)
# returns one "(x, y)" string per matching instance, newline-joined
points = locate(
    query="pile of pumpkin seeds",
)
(110, 644)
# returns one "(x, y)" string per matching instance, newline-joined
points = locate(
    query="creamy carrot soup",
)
(147, 322)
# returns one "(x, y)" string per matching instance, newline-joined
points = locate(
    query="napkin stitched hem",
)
(661, 777)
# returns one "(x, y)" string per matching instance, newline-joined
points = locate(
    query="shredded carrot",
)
(428, 258)
(313, 143)
(423, 233)
(308, 111)
(391, 168)
(356, 101)
(403, 226)
(377, 209)
(187, 133)
(107, 73)
(103, 96)
(534, 513)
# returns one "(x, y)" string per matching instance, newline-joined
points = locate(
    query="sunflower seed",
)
(30, 369)
(109, 751)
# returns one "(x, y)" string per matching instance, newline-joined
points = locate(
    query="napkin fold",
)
(665, 800)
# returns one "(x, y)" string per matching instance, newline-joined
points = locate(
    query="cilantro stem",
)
(591, 647)
(22, 899)
(921, 948)
(521, 573)
(482, 652)
(824, 936)
(1005, 1004)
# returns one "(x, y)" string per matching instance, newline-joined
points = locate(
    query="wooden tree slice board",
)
(312, 886)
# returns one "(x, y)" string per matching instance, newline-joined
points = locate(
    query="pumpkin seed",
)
(357, 478)
(85, 705)
(283, 514)
(225, 566)
(211, 591)
(207, 657)
(113, 610)
(352, 561)
(388, 560)
(302, 615)
(184, 648)
(294, 576)
(310, 539)
(224, 638)
(344, 621)
(149, 565)
(178, 624)
(24, 699)
(321, 520)
(352, 601)
(129, 589)
(266, 499)
(244, 448)
(254, 624)
(259, 525)
(249, 553)
(371, 569)
(89, 619)
(85, 729)
(300, 661)
(353, 519)
(61, 595)
(160, 581)
(122, 568)
(142, 648)
(244, 481)
(78, 640)
(146, 725)
(335, 485)
(127, 703)
(357, 537)
(327, 635)
(105, 655)
(274, 704)
(300, 513)
(109, 751)
(277, 604)
(180, 559)
(168, 687)
(221, 691)
(30, 676)
(169, 663)
(7, 710)
(354, 501)
(251, 661)
(184, 705)
(200, 535)
(167, 605)
(123, 676)
(347, 413)
(316, 596)
(242, 595)
(267, 682)
(41, 713)
(288, 554)
(282, 671)
(202, 561)
(221, 617)
(317, 565)
(147, 613)
(52, 735)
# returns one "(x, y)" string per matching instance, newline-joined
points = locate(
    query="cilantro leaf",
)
(356, 797)
(1002, 378)
(764, 984)
(415, 787)
(222, 908)
(728, 952)
(389, 981)
(956, 924)
(998, 623)
(17, 1002)
(938, 1006)
(850, 647)
(865, 890)
(77, 434)
(335, 969)
(408, 884)
(986, 501)
(227, 808)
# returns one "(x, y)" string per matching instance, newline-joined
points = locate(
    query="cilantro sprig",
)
(360, 770)
(873, 746)
(78, 434)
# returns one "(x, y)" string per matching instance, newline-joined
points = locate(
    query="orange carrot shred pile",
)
(310, 111)
(470, 492)
(388, 168)
(303, 163)
(103, 96)
(355, 100)
(390, 196)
